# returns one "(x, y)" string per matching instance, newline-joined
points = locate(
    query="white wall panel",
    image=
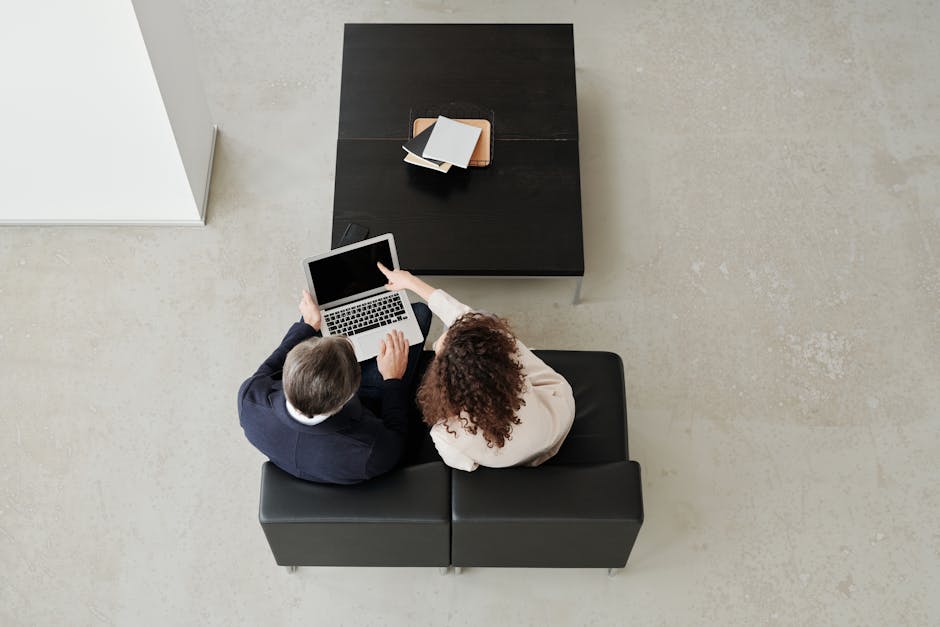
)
(85, 135)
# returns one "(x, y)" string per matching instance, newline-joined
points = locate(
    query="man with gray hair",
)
(317, 414)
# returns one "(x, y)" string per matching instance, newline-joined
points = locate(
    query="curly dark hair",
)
(476, 371)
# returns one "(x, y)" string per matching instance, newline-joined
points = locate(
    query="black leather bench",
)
(583, 508)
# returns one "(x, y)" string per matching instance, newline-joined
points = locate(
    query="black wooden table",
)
(518, 217)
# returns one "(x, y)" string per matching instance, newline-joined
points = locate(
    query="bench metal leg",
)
(291, 569)
(443, 569)
(612, 572)
(458, 570)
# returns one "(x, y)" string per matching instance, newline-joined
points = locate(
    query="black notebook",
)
(415, 147)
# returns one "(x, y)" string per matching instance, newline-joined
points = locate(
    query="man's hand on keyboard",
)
(310, 310)
(393, 356)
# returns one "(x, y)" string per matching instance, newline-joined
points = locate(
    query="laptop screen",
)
(350, 273)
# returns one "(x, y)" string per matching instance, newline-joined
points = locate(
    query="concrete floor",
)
(762, 233)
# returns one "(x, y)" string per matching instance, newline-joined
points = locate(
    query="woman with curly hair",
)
(488, 399)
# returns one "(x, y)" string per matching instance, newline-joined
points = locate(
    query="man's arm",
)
(306, 328)
(392, 362)
(390, 441)
(298, 332)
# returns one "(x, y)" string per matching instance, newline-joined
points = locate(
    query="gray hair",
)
(321, 374)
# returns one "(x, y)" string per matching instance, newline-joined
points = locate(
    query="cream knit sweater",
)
(545, 418)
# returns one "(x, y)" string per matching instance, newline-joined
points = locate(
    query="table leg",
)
(577, 290)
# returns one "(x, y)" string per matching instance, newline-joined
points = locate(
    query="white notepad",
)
(452, 142)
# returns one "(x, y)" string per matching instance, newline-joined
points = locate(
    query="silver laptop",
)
(350, 290)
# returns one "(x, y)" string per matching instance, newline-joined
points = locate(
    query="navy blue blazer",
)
(348, 447)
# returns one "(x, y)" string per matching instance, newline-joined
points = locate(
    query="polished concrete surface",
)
(762, 227)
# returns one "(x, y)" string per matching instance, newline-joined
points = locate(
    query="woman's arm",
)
(444, 306)
(450, 454)
(404, 280)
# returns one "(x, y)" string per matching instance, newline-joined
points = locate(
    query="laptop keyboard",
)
(366, 316)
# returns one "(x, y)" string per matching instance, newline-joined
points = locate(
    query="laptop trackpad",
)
(366, 344)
